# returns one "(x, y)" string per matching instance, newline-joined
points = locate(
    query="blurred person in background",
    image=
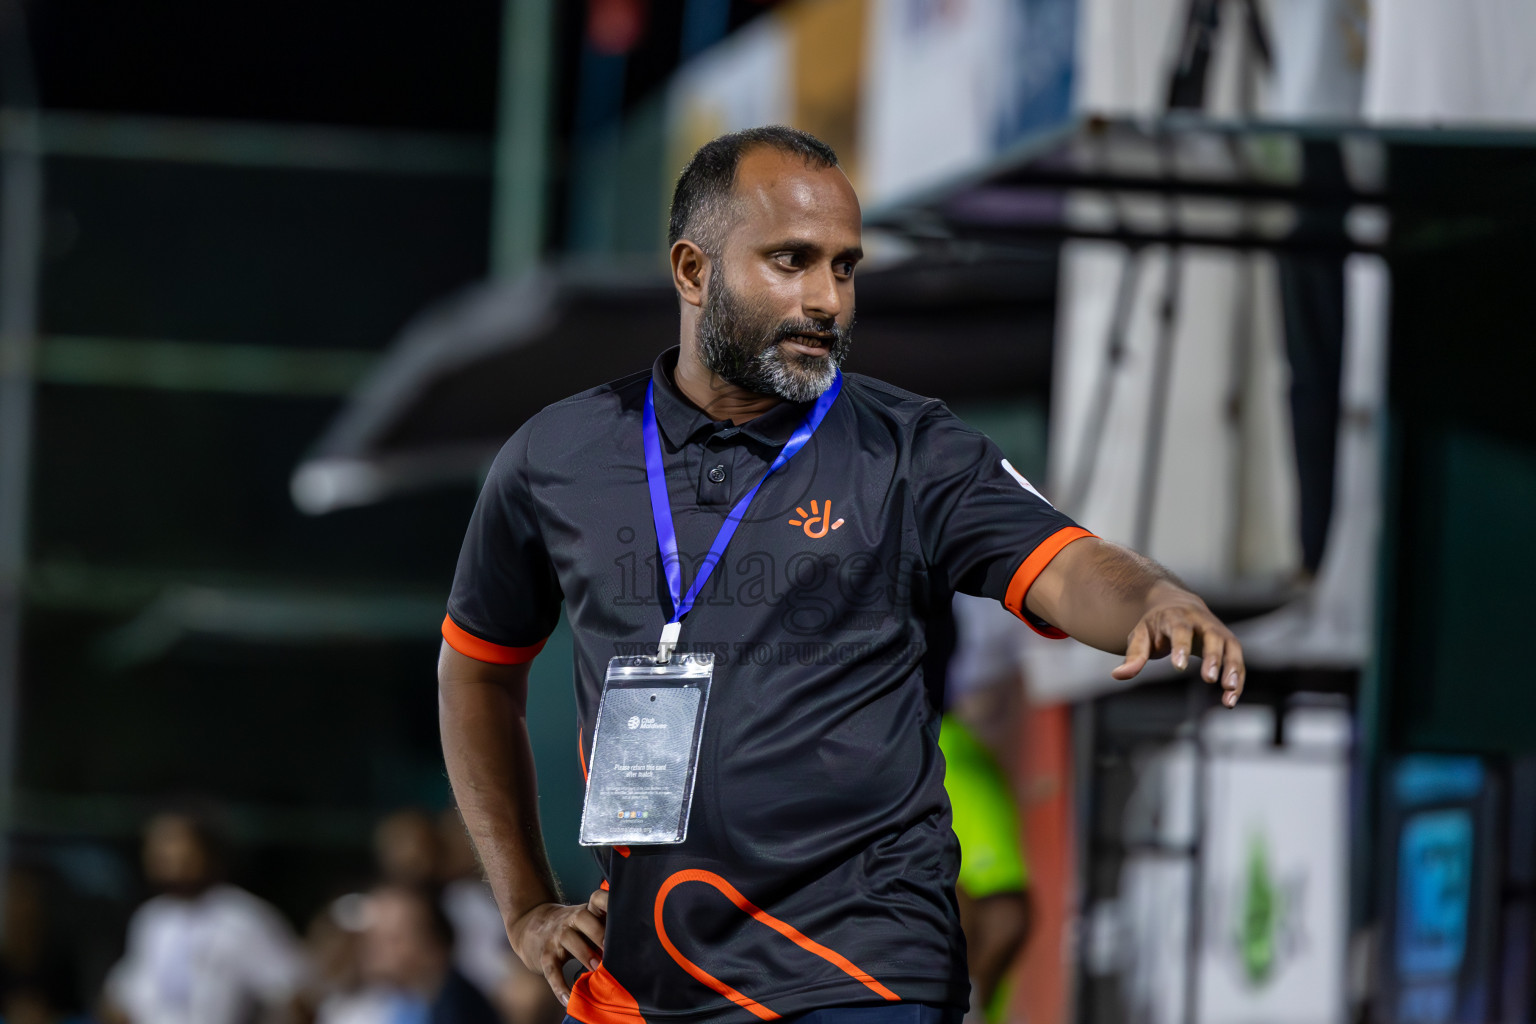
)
(202, 951)
(481, 951)
(407, 947)
(37, 972)
(407, 848)
(338, 993)
(984, 696)
(413, 849)
(524, 996)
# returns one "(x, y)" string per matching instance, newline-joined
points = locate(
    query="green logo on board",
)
(1258, 927)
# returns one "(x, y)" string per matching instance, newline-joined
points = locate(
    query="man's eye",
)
(790, 260)
(843, 269)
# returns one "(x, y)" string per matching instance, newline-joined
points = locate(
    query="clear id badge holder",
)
(645, 750)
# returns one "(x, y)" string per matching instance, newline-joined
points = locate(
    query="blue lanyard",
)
(661, 506)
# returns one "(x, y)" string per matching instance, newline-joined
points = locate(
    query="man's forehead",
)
(776, 189)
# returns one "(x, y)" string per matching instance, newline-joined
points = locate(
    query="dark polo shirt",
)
(820, 865)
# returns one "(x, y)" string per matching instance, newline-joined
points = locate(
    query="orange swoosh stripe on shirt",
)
(763, 917)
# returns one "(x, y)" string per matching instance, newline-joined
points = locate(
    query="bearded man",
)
(744, 497)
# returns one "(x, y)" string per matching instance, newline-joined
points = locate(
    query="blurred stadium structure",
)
(1244, 280)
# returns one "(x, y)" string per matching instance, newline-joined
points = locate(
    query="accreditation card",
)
(645, 750)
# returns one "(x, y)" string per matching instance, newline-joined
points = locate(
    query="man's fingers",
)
(1137, 649)
(550, 964)
(1181, 639)
(1212, 646)
(598, 902)
(1234, 674)
(582, 951)
(1182, 631)
(593, 928)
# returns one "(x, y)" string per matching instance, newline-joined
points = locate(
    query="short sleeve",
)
(505, 599)
(985, 528)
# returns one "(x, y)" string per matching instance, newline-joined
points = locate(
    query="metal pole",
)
(522, 136)
(1157, 408)
(1082, 1006)
(1096, 414)
(1194, 704)
(21, 207)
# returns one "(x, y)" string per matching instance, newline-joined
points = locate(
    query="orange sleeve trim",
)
(1026, 574)
(472, 646)
(598, 998)
(603, 885)
(793, 934)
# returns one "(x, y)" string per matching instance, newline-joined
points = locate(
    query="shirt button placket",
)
(714, 480)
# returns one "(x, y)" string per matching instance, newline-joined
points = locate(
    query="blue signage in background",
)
(1436, 973)
(1434, 893)
(1429, 779)
(1037, 91)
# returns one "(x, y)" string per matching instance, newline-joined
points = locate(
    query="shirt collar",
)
(682, 422)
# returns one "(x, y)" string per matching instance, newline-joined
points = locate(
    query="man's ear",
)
(690, 271)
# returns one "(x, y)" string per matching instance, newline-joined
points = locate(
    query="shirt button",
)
(717, 474)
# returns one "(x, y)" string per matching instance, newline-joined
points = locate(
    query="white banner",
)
(742, 82)
(949, 85)
(1274, 925)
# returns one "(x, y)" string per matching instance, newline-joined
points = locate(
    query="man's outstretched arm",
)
(481, 714)
(1111, 598)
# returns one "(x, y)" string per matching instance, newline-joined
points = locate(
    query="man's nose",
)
(821, 299)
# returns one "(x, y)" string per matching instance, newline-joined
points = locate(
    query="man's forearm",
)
(1097, 592)
(481, 715)
(1116, 600)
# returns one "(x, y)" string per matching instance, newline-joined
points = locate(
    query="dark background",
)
(145, 493)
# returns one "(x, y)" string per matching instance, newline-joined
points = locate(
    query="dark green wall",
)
(1458, 671)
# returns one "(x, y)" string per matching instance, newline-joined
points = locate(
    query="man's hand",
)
(1095, 591)
(1182, 625)
(552, 933)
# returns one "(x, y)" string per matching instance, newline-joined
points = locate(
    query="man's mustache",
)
(830, 331)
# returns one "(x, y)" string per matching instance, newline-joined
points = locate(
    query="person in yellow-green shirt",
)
(984, 690)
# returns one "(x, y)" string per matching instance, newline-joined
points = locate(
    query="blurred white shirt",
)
(989, 647)
(209, 960)
(480, 936)
(367, 1006)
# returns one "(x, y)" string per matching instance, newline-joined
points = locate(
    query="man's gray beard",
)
(726, 340)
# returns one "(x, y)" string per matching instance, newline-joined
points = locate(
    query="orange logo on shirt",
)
(821, 515)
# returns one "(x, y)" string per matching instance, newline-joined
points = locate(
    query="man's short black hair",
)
(704, 188)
